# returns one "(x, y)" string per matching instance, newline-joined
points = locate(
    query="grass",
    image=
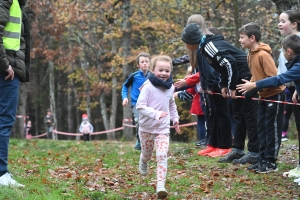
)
(61, 170)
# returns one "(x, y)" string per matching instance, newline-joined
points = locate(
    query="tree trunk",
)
(52, 95)
(126, 42)
(104, 111)
(237, 23)
(70, 108)
(77, 112)
(114, 100)
(19, 127)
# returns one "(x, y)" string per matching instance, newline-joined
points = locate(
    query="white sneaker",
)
(293, 173)
(297, 180)
(7, 180)
(143, 168)
(161, 192)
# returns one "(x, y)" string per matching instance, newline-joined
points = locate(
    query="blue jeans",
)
(8, 107)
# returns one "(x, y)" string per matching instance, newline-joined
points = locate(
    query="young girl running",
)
(157, 107)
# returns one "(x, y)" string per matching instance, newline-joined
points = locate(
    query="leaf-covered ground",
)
(109, 170)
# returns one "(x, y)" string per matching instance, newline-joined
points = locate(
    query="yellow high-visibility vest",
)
(12, 29)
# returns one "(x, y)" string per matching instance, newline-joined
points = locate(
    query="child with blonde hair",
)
(157, 107)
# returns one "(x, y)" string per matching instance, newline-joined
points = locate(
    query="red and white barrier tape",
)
(103, 132)
(260, 99)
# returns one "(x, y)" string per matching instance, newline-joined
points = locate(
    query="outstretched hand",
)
(247, 86)
(180, 83)
(177, 128)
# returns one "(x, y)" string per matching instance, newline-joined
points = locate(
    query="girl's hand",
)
(180, 83)
(163, 114)
(177, 128)
(175, 95)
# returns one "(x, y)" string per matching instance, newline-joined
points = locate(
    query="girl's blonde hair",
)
(160, 58)
(198, 19)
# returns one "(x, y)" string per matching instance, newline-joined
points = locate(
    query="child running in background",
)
(135, 80)
(291, 49)
(197, 107)
(157, 107)
(86, 127)
(270, 115)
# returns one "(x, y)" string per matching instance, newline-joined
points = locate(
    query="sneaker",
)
(297, 180)
(198, 143)
(207, 150)
(267, 167)
(143, 168)
(7, 180)
(247, 158)
(254, 166)
(293, 173)
(284, 138)
(137, 145)
(161, 192)
(219, 152)
(230, 157)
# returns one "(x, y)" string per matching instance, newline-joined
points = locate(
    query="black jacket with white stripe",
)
(226, 59)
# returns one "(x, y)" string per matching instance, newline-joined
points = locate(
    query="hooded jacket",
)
(19, 60)
(262, 66)
(226, 59)
(292, 74)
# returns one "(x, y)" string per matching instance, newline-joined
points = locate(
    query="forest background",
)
(83, 50)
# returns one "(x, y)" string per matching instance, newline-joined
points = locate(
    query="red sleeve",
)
(193, 79)
(191, 90)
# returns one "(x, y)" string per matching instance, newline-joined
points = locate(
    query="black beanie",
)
(191, 34)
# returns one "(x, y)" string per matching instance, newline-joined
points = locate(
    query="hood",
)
(213, 38)
(22, 2)
(261, 47)
(289, 65)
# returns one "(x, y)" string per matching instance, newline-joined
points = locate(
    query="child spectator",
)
(157, 107)
(270, 115)
(217, 110)
(197, 107)
(86, 128)
(49, 122)
(291, 50)
(214, 52)
(135, 81)
(288, 24)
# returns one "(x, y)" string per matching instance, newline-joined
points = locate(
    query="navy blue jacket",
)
(135, 80)
(226, 59)
(292, 74)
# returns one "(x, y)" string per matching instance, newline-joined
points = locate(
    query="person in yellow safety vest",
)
(14, 68)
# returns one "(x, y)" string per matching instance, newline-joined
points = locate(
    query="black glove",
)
(251, 93)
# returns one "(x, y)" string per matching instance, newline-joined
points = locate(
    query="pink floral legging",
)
(161, 142)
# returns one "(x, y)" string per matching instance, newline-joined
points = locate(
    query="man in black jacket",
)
(213, 51)
(14, 64)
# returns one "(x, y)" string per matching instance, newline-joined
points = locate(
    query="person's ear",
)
(294, 25)
(289, 51)
(252, 38)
